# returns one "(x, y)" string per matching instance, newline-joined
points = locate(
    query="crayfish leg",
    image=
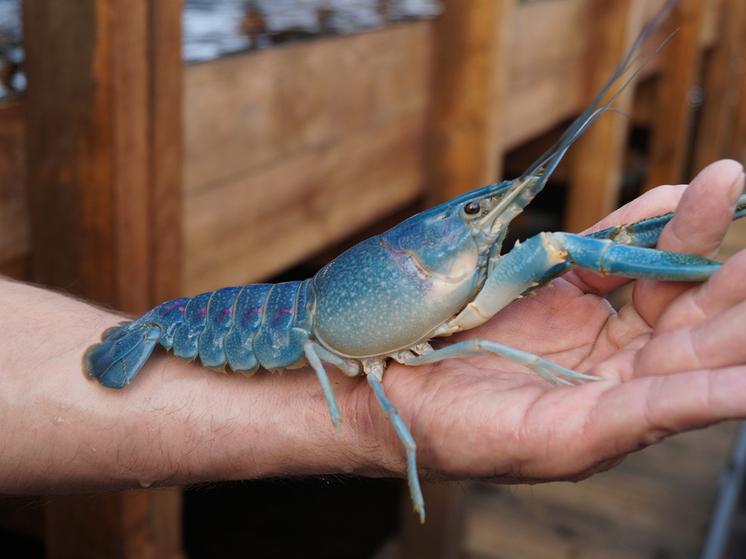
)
(374, 379)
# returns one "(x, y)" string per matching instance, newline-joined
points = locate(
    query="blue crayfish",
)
(436, 273)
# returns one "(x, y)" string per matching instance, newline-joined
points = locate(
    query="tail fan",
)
(119, 357)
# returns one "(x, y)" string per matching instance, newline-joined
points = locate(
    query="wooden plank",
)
(89, 146)
(15, 240)
(544, 35)
(253, 227)
(672, 129)
(538, 102)
(736, 145)
(250, 110)
(469, 82)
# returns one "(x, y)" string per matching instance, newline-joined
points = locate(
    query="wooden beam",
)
(597, 155)
(103, 151)
(166, 143)
(736, 144)
(125, 41)
(104, 147)
(70, 139)
(671, 133)
(720, 82)
(471, 41)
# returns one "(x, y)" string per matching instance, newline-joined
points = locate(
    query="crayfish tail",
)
(115, 361)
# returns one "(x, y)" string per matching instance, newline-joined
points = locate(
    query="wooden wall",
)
(546, 61)
(293, 148)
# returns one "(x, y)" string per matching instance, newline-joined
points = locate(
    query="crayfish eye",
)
(472, 208)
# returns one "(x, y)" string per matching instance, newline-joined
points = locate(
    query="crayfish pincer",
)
(435, 274)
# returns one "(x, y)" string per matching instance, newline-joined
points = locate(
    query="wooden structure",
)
(129, 178)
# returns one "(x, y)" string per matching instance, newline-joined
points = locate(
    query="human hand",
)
(671, 360)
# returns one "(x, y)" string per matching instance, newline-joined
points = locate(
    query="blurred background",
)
(151, 149)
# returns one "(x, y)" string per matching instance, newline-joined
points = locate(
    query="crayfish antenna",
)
(551, 158)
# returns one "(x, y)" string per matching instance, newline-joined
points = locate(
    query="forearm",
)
(177, 423)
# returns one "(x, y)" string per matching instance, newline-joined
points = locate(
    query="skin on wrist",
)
(177, 422)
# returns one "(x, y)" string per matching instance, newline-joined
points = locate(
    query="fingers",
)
(705, 211)
(705, 328)
(723, 290)
(642, 412)
(702, 218)
(716, 343)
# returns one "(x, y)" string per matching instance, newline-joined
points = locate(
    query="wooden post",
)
(720, 85)
(736, 142)
(597, 154)
(104, 164)
(462, 147)
(104, 147)
(167, 86)
(671, 132)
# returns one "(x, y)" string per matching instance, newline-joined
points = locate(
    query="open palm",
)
(673, 359)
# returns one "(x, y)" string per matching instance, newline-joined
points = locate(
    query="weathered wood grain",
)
(166, 169)
(597, 155)
(719, 82)
(250, 110)
(96, 102)
(69, 147)
(260, 223)
(671, 133)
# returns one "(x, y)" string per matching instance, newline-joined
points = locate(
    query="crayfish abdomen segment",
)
(373, 301)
